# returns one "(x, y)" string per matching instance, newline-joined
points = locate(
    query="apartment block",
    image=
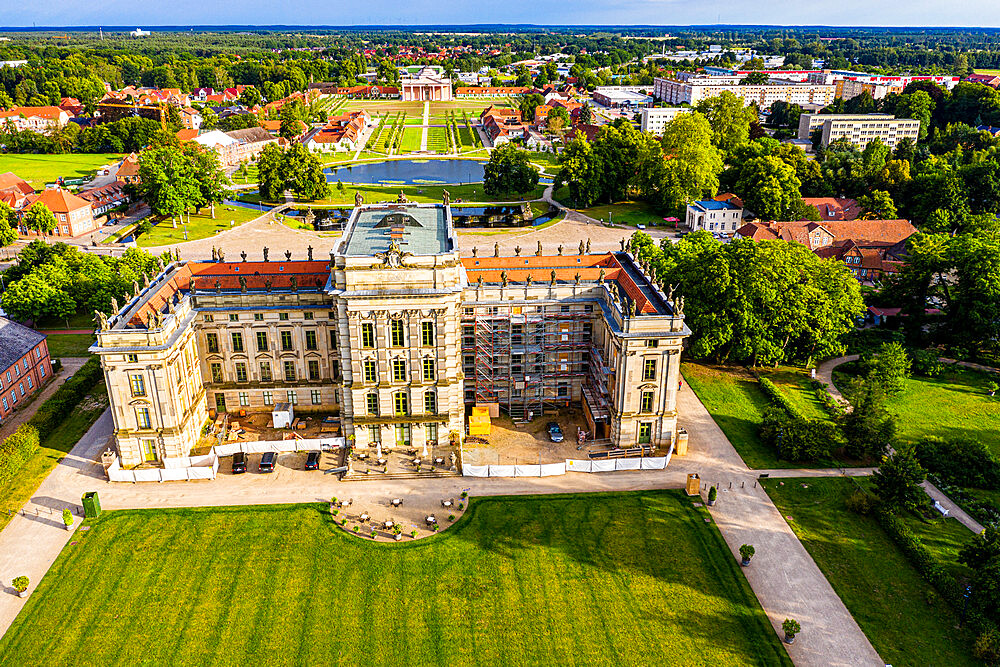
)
(859, 129)
(695, 90)
(655, 119)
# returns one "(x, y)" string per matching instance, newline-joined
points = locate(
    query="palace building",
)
(427, 84)
(398, 335)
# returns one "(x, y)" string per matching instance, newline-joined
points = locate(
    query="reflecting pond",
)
(409, 172)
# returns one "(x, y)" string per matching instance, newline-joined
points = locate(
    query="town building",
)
(397, 335)
(35, 119)
(501, 124)
(618, 97)
(74, 216)
(492, 91)
(24, 365)
(655, 119)
(341, 133)
(834, 208)
(721, 215)
(870, 248)
(236, 146)
(14, 190)
(693, 91)
(427, 84)
(859, 129)
(106, 197)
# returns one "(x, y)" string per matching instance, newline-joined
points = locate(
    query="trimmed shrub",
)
(53, 411)
(796, 438)
(779, 398)
(960, 462)
(16, 449)
(926, 363)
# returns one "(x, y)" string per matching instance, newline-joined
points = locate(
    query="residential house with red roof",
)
(14, 190)
(34, 119)
(834, 208)
(74, 216)
(341, 133)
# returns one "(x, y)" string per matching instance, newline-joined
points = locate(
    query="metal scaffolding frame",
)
(523, 359)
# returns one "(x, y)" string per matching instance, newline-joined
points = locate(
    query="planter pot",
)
(69, 527)
(22, 594)
(789, 639)
(746, 561)
(398, 538)
(710, 503)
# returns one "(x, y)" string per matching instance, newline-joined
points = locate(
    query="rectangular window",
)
(315, 396)
(241, 372)
(399, 370)
(41, 370)
(244, 399)
(652, 342)
(132, 358)
(213, 342)
(427, 334)
(5, 406)
(308, 316)
(646, 404)
(283, 316)
(402, 403)
(313, 370)
(286, 340)
(310, 340)
(374, 434)
(142, 417)
(645, 433)
(372, 401)
(268, 398)
(430, 403)
(233, 317)
(371, 373)
(258, 317)
(262, 341)
(333, 340)
(428, 370)
(397, 336)
(649, 369)
(431, 433)
(137, 383)
(208, 318)
(30, 385)
(216, 372)
(265, 371)
(289, 371)
(293, 398)
(367, 334)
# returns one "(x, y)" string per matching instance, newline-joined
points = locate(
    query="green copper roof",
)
(424, 231)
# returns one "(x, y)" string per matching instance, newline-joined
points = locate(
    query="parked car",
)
(239, 463)
(267, 462)
(555, 433)
(312, 461)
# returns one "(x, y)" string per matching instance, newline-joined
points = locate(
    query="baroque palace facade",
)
(397, 334)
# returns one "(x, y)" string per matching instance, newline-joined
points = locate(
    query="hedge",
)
(779, 399)
(53, 411)
(16, 449)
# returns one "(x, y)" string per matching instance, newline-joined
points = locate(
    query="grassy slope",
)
(953, 405)
(531, 580)
(18, 491)
(622, 213)
(794, 383)
(41, 169)
(202, 226)
(884, 593)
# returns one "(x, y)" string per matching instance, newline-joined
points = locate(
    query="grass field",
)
(200, 227)
(437, 139)
(629, 213)
(884, 593)
(737, 403)
(16, 492)
(41, 169)
(952, 405)
(411, 139)
(531, 580)
(70, 345)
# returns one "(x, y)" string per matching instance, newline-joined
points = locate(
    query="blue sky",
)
(147, 13)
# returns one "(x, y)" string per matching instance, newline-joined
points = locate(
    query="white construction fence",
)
(571, 465)
(186, 468)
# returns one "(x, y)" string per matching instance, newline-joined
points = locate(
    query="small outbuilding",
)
(283, 415)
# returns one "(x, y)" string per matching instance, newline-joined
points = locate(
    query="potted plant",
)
(374, 533)
(465, 494)
(21, 586)
(451, 517)
(461, 506)
(435, 528)
(397, 532)
(357, 528)
(713, 494)
(791, 628)
(746, 552)
(413, 534)
(68, 518)
(333, 506)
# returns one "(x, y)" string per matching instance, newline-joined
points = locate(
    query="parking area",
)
(289, 465)
(511, 443)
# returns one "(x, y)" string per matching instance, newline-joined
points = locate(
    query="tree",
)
(290, 122)
(270, 172)
(730, 120)
(693, 162)
(579, 171)
(509, 171)
(208, 175)
(897, 481)
(527, 106)
(586, 114)
(250, 97)
(769, 188)
(757, 78)
(878, 205)
(167, 181)
(8, 225)
(558, 118)
(981, 549)
(868, 427)
(304, 174)
(39, 218)
(918, 106)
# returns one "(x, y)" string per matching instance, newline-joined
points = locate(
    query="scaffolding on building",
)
(528, 357)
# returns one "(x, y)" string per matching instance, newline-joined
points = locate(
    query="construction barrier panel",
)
(571, 465)
(475, 471)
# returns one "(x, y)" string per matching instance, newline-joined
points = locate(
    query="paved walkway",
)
(70, 365)
(953, 510)
(824, 373)
(424, 129)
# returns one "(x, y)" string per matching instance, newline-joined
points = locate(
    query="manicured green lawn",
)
(437, 139)
(70, 345)
(952, 405)
(622, 213)
(16, 492)
(595, 579)
(737, 404)
(794, 383)
(411, 139)
(201, 226)
(884, 593)
(41, 169)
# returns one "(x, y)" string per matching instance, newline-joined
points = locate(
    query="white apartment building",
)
(859, 129)
(695, 90)
(655, 119)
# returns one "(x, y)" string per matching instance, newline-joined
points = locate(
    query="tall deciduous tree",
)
(730, 120)
(509, 171)
(39, 218)
(769, 188)
(168, 181)
(693, 162)
(897, 481)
